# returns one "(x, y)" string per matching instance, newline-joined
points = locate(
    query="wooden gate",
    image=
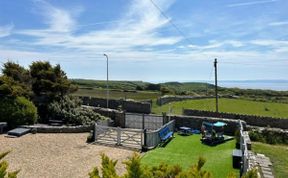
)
(132, 138)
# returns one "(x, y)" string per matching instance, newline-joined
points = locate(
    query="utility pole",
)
(107, 87)
(216, 87)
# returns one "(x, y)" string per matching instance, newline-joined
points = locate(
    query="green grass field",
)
(185, 151)
(228, 105)
(278, 154)
(117, 94)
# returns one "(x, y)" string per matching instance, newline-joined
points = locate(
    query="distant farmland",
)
(228, 105)
(117, 94)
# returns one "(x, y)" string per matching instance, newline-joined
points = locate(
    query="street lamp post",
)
(107, 87)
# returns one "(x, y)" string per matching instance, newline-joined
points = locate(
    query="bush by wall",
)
(17, 111)
(269, 135)
(69, 110)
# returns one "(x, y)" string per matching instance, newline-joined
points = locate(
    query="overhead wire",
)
(171, 22)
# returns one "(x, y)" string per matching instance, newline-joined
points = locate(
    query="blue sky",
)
(249, 38)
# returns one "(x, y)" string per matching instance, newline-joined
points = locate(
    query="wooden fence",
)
(144, 121)
(152, 139)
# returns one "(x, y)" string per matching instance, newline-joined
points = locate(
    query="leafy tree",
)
(50, 81)
(152, 86)
(48, 84)
(4, 166)
(17, 72)
(16, 80)
(9, 87)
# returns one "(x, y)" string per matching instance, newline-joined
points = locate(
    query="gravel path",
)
(57, 155)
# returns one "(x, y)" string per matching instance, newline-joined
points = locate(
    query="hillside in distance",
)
(176, 88)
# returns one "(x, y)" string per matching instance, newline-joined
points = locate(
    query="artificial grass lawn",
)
(185, 151)
(278, 154)
(239, 106)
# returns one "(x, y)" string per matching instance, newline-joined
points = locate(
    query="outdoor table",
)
(185, 130)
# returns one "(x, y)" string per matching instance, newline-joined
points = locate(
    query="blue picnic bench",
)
(165, 134)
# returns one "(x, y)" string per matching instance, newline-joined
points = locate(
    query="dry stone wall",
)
(195, 122)
(127, 105)
(249, 119)
(168, 99)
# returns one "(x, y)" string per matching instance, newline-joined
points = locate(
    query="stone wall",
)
(117, 116)
(249, 119)
(168, 99)
(127, 105)
(195, 122)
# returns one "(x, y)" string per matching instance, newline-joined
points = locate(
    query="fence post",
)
(164, 118)
(124, 119)
(144, 147)
(143, 121)
(118, 136)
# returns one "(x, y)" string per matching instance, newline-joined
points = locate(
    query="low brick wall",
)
(168, 99)
(249, 119)
(127, 105)
(59, 129)
(195, 122)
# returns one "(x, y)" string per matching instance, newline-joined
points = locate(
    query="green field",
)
(117, 94)
(278, 154)
(185, 151)
(228, 105)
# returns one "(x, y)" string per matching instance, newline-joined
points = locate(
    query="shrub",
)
(4, 166)
(253, 173)
(17, 111)
(269, 136)
(70, 111)
(134, 169)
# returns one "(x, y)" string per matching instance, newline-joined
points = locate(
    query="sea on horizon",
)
(256, 84)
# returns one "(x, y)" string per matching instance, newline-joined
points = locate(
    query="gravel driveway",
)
(57, 155)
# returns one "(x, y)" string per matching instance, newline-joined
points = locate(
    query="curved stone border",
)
(58, 129)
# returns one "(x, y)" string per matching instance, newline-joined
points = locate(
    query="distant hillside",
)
(120, 85)
(177, 88)
(192, 87)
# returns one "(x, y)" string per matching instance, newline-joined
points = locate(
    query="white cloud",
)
(251, 3)
(57, 19)
(280, 23)
(271, 43)
(136, 28)
(216, 44)
(6, 30)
